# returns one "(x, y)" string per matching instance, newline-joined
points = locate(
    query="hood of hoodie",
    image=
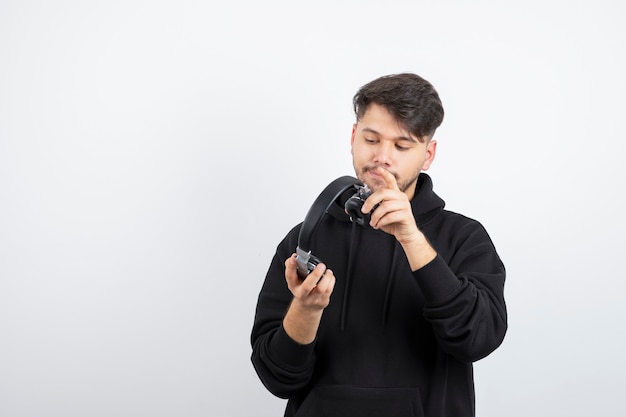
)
(425, 205)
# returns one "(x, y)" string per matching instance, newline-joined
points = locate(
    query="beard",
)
(375, 185)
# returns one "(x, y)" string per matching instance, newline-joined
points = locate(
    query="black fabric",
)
(390, 339)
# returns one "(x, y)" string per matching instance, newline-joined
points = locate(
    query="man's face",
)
(379, 141)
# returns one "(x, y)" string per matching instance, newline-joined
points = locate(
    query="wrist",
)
(301, 322)
(414, 239)
(419, 251)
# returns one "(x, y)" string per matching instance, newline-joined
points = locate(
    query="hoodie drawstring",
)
(392, 273)
(353, 248)
(354, 239)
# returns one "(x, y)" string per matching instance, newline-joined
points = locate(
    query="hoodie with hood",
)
(392, 342)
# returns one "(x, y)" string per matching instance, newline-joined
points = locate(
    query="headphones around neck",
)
(306, 261)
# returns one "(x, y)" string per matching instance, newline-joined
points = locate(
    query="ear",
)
(431, 150)
(352, 138)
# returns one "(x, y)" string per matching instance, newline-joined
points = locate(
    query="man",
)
(392, 319)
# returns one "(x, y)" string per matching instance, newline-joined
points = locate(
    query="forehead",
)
(378, 120)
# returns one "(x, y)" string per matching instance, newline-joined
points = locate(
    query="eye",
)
(369, 140)
(402, 148)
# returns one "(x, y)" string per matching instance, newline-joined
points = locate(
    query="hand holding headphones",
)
(306, 261)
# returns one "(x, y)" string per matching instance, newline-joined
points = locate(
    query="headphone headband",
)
(306, 261)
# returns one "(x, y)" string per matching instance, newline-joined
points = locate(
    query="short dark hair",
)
(410, 99)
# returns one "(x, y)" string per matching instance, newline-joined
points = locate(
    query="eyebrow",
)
(406, 138)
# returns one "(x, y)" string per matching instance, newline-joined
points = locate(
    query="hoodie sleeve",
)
(463, 289)
(283, 365)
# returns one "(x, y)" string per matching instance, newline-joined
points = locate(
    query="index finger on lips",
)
(390, 179)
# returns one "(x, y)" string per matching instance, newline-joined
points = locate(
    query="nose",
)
(384, 152)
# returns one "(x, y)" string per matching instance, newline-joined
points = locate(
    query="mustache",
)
(367, 168)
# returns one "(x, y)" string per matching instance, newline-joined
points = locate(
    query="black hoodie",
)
(391, 342)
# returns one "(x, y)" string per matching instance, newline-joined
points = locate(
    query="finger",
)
(390, 179)
(386, 219)
(326, 283)
(381, 196)
(291, 273)
(291, 263)
(314, 277)
(388, 212)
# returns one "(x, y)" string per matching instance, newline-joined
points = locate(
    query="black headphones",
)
(306, 262)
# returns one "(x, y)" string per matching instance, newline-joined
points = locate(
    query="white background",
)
(154, 153)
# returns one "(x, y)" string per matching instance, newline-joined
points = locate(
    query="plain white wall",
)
(154, 153)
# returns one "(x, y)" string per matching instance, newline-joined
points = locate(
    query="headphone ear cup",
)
(353, 209)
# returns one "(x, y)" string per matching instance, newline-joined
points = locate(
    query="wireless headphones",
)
(306, 262)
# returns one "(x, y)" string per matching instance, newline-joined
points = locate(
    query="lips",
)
(373, 173)
(371, 170)
(373, 179)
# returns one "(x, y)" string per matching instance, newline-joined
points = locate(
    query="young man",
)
(391, 321)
